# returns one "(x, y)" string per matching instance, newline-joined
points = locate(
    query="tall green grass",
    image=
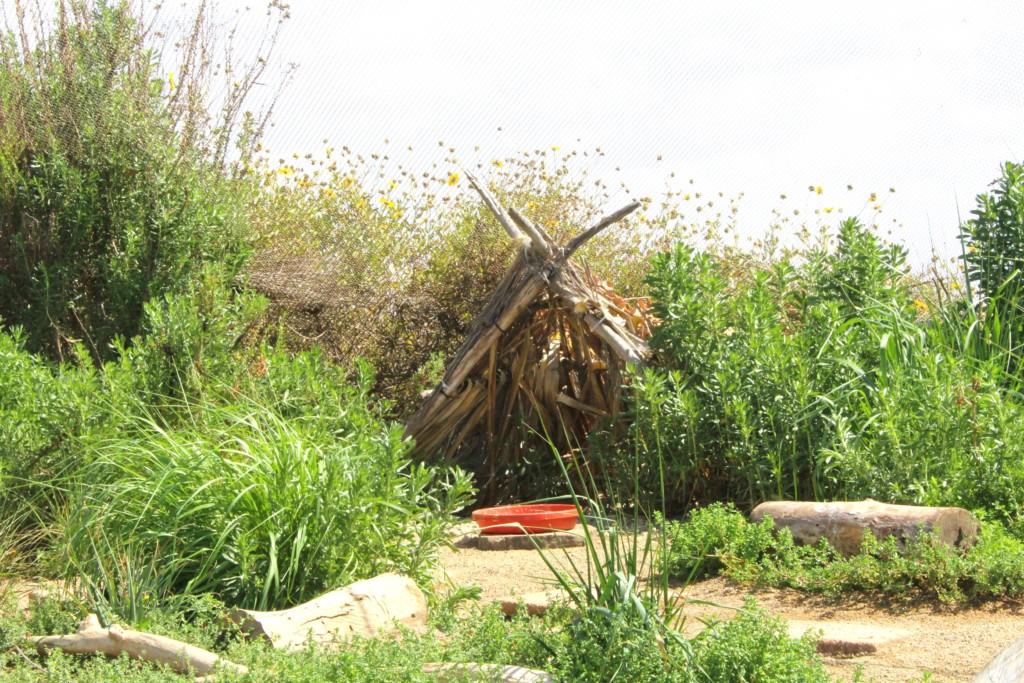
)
(259, 508)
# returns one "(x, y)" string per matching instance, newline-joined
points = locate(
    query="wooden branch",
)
(457, 374)
(498, 212)
(622, 347)
(567, 400)
(578, 241)
(539, 244)
(115, 641)
(364, 608)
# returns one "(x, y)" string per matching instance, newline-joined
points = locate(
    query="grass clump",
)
(260, 507)
(718, 539)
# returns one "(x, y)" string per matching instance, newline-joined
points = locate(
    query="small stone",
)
(536, 604)
(552, 539)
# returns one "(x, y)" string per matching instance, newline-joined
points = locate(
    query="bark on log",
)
(364, 608)
(1006, 667)
(487, 672)
(115, 641)
(843, 523)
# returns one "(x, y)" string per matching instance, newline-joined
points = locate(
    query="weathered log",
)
(843, 523)
(116, 641)
(1006, 667)
(487, 672)
(364, 608)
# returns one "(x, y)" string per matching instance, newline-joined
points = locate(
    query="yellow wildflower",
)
(170, 80)
(818, 189)
(921, 305)
(286, 170)
(497, 163)
(453, 178)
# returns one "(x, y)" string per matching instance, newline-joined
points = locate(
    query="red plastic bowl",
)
(526, 519)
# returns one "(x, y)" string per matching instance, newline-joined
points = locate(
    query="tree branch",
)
(578, 241)
(498, 212)
(540, 245)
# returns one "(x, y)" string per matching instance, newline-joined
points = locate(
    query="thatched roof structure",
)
(543, 361)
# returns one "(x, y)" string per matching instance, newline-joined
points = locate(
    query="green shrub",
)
(111, 186)
(697, 544)
(994, 237)
(822, 378)
(191, 344)
(718, 539)
(43, 411)
(754, 646)
(604, 646)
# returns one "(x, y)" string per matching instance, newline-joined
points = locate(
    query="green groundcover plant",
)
(718, 539)
(752, 646)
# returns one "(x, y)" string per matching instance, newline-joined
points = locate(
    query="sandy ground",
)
(950, 645)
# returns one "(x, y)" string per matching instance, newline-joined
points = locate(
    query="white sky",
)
(764, 98)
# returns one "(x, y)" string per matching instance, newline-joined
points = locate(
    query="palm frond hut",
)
(542, 363)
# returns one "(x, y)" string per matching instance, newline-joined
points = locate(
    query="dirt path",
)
(951, 646)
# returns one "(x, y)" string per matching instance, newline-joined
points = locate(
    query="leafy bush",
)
(719, 539)
(697, 543)
(43, 410)
(604, 646)
(754, 646)
(191, 344)
(264, 506)
(819, 378)
(49, 414)
(112, 187)
(994, 238)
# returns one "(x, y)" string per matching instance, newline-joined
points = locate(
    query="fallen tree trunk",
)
(1007, 666)
(364, 608)
(116, 641)
(843, 523)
